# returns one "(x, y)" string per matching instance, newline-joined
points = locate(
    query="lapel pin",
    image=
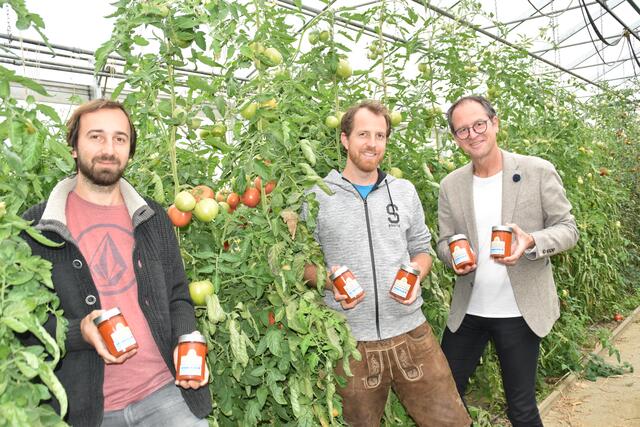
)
(516, 177)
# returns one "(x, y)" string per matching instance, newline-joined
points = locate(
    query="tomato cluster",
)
(205, 204)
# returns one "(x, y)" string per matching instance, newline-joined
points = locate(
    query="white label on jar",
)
(122, 337)
(497, 246)
(352, 287)
(190, 364)
(459, 255)
(401, 287)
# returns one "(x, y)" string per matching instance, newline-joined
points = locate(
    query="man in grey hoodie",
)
(372, 224)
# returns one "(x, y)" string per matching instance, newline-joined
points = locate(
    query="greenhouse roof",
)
(594, 41)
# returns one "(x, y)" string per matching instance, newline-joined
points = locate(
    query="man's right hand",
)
(342, 298)
(463, 271)
(91, 335)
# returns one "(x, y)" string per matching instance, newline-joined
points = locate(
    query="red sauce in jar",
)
(406, 279)
(346, 283)
(115, 332)
(461, 252)
(192, 357)
(501, 241)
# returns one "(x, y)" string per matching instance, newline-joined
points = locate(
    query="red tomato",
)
(178, 218)
(272, 318)
(233, 199)
(202, 192)
(257, 183)
(268, 188)
(251, 197)
(618, 317)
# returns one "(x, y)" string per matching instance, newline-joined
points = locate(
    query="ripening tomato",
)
(178, 218)
(202, 192)
(233, 199)
(251, 197)
(268, 188)
(272, 318)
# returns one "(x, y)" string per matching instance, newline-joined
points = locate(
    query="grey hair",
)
(491, 112)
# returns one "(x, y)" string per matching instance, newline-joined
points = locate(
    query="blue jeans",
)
(163, 407)
(517, 348)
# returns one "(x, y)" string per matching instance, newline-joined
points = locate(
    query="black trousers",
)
(517, 348)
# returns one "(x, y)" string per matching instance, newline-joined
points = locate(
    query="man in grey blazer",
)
(511, 301)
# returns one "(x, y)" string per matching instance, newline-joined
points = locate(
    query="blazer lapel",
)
(465, 193)
(511, 184)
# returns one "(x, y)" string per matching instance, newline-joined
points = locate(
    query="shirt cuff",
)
(531, 253)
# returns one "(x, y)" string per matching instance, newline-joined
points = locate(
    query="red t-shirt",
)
(104, 235)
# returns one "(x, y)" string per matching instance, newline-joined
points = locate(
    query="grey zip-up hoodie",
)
(373, 237)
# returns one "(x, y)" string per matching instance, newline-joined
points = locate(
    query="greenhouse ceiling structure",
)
(595, 43)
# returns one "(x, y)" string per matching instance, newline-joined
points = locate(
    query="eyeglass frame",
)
(473, 126)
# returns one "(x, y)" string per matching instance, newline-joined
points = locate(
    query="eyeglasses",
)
(478, 127)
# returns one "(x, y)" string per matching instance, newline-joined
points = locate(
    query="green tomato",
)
(219, 129)
(332, 122)
(344, 69)
(324, 36)
(206, 210)
(314, 37)
(397, 172)
(274, 56)
(185, 202)
(396, 118)
(199, 291)
(225, 206)
(249, 111)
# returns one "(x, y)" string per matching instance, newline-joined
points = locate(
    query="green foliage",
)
(28, 354)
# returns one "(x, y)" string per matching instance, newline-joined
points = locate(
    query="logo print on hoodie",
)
(393, 217)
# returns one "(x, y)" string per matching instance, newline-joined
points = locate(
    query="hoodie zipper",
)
(373, 265)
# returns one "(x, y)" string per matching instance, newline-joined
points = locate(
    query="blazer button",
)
(77, 264)
(471, 284)
(90, 299)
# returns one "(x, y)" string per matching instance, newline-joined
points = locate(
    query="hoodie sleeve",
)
(418, 234)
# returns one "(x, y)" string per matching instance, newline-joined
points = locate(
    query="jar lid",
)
(106, 315)
(193, 337)
(455, 238)
(338, 272)
(409, 269)
(502, 228)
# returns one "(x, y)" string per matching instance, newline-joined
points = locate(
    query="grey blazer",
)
(532, 197)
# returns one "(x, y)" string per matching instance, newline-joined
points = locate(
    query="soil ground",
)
(611, 402)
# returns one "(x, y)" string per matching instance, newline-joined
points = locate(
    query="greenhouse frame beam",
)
(597, 51)
(535, 15)
(580, 27)
(614, 16)
(90, 55)
(582, 67)
(544, 51)
(476, 28)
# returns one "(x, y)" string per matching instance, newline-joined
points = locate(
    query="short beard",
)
(100, 178)
(361, 165)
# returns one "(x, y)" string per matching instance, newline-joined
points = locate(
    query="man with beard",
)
(373, 223)
(117, 250)
(511, 301)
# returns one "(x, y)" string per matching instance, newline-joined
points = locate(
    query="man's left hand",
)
(523, 241)
(191, 383)
(417, 288)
